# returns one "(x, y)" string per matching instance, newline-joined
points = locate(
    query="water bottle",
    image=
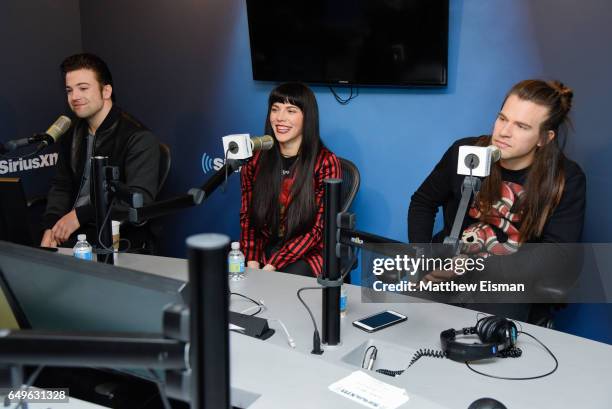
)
(235, 262)
(82, 249)
(343, 301)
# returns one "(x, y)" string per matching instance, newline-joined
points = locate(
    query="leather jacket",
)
(128, 144)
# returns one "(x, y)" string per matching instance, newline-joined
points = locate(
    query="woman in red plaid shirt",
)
(281, 216)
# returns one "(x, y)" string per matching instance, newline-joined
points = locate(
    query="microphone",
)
(59, 127)
(262, 143)
(242, 146)
(477, 160)
(494, 153)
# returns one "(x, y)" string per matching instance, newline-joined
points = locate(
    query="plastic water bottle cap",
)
(235, 245)
(82, 237)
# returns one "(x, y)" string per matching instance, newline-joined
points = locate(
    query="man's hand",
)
(65, 226)
(48, 239)
(269, 267)
(438, 276)
(253, 264)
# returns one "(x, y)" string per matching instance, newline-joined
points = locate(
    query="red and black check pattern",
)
(308, 246)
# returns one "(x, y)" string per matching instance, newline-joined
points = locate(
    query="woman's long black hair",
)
(301, 211)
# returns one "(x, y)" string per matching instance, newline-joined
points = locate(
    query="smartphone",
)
(49, 249)
(379, 321)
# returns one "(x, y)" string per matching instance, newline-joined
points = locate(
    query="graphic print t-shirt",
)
(500, 234)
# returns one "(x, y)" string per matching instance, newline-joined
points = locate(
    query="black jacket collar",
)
(111, 118)
(102, 137)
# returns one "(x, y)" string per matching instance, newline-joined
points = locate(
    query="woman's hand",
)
(269, 267)
(253, 264)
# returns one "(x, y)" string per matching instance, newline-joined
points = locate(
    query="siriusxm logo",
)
(20, 165)
(210, 164)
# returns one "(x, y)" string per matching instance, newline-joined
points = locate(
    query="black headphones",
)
(495, 333)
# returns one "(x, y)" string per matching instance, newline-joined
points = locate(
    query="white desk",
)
(294, 378)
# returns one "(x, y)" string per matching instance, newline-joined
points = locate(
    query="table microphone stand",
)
(107, 187)
(330, 278)
(101, 201)
(471, 184)
(339, 238)
(193, 350)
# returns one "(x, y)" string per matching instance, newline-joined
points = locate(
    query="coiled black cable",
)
(433, 353)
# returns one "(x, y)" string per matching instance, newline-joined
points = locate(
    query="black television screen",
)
(357, 42)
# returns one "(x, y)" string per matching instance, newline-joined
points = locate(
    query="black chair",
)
(350, 183)
(165, 162)
(15, 220)
(348, 191)
(155, 226)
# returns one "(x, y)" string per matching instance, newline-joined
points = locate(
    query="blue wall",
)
(195, 60)
(184, 68)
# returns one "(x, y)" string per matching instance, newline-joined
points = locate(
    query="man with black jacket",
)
(529, 212)
(101, 129)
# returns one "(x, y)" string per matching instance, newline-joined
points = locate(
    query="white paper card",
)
(370, 392)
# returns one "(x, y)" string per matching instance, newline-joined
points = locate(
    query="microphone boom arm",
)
(193, 197)
(470, 184)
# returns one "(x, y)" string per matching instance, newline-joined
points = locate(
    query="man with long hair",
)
(534, 194)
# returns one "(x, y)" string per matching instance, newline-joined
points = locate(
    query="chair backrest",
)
(348, 191)
(14, 218)
(350, 183)
(165, 161)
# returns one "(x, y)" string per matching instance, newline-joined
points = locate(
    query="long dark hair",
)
(546, 176)
(301, 212)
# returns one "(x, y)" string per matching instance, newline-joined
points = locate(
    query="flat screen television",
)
(354, 42)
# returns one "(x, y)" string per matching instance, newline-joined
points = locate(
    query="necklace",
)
(288, 160)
